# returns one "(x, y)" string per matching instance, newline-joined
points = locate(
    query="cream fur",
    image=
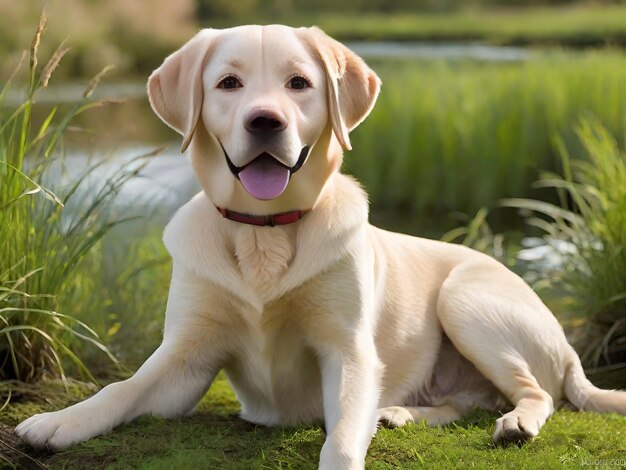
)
(328, 319)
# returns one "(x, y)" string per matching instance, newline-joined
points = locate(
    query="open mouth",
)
(265, 177)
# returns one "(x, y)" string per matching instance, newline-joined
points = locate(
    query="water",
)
(165, 183)
(447, 51)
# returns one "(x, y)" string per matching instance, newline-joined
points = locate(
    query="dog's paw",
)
(57, 430)
(514, 429)
(394, 416)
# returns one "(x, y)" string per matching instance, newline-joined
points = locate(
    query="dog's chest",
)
(274, 373)
(263, 255)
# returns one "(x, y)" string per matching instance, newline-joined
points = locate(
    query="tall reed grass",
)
(457, 136)
(41, 242)
(121, 290)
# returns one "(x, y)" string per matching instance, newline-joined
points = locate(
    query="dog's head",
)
(265, 110)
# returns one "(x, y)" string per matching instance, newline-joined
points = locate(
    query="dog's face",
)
(265, 102)
(266, 109)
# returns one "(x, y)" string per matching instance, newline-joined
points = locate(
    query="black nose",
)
(265, 122)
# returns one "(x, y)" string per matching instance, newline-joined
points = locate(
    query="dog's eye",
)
(298, 82)
(229, 82)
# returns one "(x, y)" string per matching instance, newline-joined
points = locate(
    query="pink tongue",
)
(264, 178)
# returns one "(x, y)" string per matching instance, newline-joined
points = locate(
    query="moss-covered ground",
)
(215, 438)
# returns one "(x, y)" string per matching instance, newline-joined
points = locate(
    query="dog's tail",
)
(586, 396)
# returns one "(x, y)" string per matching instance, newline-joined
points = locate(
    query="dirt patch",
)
(14, 453)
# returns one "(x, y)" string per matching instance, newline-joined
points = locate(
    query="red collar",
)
(282, 218)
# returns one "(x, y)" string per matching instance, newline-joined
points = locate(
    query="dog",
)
(315, 315)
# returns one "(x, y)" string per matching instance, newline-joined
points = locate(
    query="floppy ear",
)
(352, 86)
(175, 89)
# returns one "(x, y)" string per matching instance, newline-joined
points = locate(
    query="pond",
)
(448, 51)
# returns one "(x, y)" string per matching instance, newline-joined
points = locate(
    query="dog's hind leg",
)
(396, 416)
(497, 322)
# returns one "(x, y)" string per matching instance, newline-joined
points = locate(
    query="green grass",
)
(215, 438)
(50, 235)
(121, 291)
(566, 25)
(39, 247)
(573, 25)
(457, 136)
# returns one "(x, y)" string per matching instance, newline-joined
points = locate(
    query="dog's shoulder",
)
(195, 239)
(192, 227)
(342, 207)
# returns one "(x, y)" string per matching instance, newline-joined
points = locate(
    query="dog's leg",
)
(350, 381)
(168, 384)
(341, 332)
(396, 416)
(496, 321)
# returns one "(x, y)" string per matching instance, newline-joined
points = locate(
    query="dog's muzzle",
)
(265, 177)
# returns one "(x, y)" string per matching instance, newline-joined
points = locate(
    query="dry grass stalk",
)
(52, 64)
(93, 83)
(34, 48)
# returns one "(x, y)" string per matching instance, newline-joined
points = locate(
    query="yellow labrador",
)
(315, 315)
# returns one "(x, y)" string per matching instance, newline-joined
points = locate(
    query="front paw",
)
(60, 429)
(333, 458)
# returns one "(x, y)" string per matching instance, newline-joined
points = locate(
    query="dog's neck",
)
(263, 254)
(264, 245)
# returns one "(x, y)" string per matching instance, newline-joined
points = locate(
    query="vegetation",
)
(215, 438)
(457, 136)
(130, 35)
(573, 26)
(121, 289)
(209, 9)
(45, 234)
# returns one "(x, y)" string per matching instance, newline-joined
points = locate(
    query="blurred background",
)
(501, 125)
